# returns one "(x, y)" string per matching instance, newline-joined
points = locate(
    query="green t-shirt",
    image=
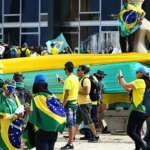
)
(140, 108)
(7, 104)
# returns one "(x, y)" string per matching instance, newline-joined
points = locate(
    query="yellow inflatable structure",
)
(57, 61)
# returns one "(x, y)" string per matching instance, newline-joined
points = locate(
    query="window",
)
(32, 40)
(44, 17)
(89, 5)
(11, 36)
(69, 10)
(107, 11)
(11, 19)
(30, 10)
(44, 36)
(24, 30)
(94, 5)
(44, 6)
(0, 11)
(11, 6)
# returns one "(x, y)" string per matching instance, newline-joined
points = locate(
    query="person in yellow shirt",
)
(23, 52)
(84, 102)
(71, 87)
(54, 49)
(137, 115)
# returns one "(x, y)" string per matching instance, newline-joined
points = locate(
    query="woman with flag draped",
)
(48, 115)
(130, 19)
(11, 113)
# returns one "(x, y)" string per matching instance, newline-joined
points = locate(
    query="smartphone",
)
(120, 73)
(58, 78)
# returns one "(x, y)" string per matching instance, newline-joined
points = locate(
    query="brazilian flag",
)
(10, 129)
(10, 137)
(47, 113)
(129, 20)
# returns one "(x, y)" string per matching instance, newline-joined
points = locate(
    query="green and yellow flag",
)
(10, 137)
(48, 114)
(10, 128)
(130, 19)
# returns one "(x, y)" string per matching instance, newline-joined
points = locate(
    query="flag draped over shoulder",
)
(10, 129)
(10, 137)
(129, 19)
(60, 43)
(48, 114)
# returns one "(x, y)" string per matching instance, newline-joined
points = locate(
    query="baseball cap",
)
(142, 70)
(18, 75)
(40, 79)
(99, 72)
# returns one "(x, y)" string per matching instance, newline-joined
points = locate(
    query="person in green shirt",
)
(11, 114)
(137, 116)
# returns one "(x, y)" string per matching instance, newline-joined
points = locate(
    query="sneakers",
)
(94, 139)
(105, 131)
(84, 138)
(66, 137)
(67, 146)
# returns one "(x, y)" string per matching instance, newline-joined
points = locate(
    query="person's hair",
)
(39, 87)
(69, 66)
(52, 44)
(84, 68)
(147, 81)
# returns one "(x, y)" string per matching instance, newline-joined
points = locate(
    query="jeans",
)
(71, 117)
(45, 140)
(135, 123)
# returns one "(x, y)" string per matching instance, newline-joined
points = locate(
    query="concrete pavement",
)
(106, 142)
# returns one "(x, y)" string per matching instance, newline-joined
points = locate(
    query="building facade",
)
(24, 21)
(36, 21)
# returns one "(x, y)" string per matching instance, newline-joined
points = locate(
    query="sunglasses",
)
(78, 70)
(138, 72)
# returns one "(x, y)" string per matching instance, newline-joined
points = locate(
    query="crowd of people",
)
(33, 119)
(7, 51)
(40, 115)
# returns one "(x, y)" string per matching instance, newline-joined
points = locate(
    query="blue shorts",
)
(71, 117)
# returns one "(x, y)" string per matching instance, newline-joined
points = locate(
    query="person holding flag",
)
(11, 114)
(130, 19)
(47, 115)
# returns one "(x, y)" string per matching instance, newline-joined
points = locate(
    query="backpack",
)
(23, 52)
(9, 53)
(95, 88)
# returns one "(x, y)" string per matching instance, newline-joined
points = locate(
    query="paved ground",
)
(107, 142)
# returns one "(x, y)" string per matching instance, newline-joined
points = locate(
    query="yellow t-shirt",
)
(54, 50)
(26, 52)
(84, 99)
(138, 91)
(72, 84)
